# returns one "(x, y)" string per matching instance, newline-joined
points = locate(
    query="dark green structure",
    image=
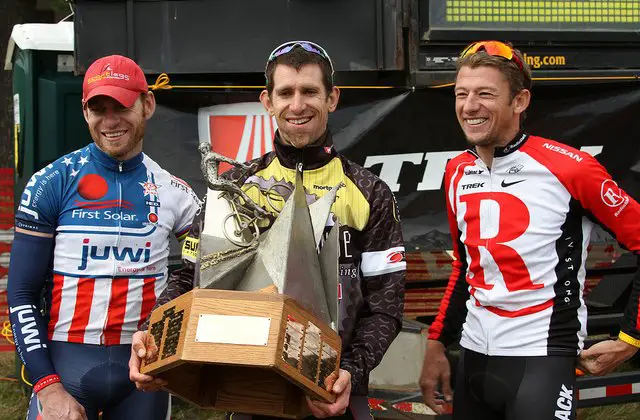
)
(47, 97)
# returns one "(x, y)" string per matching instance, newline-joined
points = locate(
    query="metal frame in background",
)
(577, 63)
(592, 391)
(556, 22)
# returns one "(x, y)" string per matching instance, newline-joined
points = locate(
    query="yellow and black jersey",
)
(372, 261)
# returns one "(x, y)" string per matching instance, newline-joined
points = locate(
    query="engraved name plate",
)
(233, 329)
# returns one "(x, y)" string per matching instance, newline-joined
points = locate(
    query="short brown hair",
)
(518, 79)
(297, 58)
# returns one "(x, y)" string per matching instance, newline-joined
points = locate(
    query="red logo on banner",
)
(242, 131)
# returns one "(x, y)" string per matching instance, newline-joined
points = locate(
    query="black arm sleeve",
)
(380, 319)
(28, 267)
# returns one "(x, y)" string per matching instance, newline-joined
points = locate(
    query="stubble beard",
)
(121, 152)
(298, 141)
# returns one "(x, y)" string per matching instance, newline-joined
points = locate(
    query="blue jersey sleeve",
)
(40, 202)
(30, 259)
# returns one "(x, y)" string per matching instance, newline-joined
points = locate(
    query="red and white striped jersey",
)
(112, 223)
(520, 231)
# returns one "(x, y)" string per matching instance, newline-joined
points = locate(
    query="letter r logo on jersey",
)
(611, 193)
(505, 223)
(241, 131)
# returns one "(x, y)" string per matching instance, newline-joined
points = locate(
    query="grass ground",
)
(13, 403)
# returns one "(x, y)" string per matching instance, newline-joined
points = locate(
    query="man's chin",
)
(478, 140)
(116, 151)
(298, 141)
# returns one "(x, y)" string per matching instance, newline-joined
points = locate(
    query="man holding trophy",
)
(300, 94)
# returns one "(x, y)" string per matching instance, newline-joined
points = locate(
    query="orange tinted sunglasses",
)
(495, 48)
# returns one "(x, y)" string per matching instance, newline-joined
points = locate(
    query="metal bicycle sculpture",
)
(245, 212)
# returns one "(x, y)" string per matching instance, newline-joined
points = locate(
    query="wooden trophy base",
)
(243, 352)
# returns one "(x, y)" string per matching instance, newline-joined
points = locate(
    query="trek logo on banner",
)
(436, 162)
(241, 131)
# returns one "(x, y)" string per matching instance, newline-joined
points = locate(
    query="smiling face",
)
(116, 130)
(487, 113)
(300, 103)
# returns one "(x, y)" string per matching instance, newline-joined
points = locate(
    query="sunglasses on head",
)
(287, 47)
(494, 48)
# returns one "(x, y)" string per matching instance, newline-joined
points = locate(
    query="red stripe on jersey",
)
(82, 310)
(148, 298)
(514, 314)
(117, 309)
(457, 275)
(456, 180)
(618, 390)
(183, 232)
(56, 299)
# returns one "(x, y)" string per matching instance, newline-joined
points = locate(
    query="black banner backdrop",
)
(405, 137)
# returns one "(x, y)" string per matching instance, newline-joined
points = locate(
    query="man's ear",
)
(266, 102)
(85, 112)
(148, 104)
(333, 99)
(521, 101)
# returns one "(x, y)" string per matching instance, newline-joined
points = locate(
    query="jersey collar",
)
(312, 156)
(114, 164)
(512, 146)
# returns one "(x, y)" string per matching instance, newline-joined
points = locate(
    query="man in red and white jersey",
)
(521, 209)
(92, 230)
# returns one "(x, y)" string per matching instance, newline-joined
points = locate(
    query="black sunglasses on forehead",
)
(309, 46)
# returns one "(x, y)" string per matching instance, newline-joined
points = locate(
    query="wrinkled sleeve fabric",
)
(183, 279)
(27, 276)
(30, 268)
(380, 318)
(619, 214)
(605, 203)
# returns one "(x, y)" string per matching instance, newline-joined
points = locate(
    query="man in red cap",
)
(116, 83)
(92, 230)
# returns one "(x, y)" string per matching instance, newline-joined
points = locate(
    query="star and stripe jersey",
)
(372, 262)
(520, 232)
(111, 222)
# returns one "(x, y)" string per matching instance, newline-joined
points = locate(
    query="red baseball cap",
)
(115, 76)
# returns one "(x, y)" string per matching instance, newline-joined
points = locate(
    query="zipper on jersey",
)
(120, 166)
(486, 247)
(300, 168)
(117, 245)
